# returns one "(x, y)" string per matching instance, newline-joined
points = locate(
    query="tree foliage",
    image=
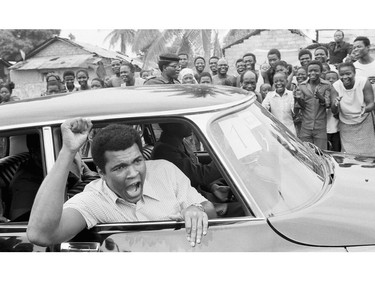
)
(12, 41)
(125, 36)
(150, 43)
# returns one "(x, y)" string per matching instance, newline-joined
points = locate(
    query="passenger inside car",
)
(206, 178)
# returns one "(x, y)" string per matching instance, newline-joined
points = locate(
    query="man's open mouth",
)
(133, 187)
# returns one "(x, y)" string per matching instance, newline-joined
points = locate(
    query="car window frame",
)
(56, 132)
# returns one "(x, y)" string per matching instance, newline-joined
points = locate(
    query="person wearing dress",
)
(354, 103)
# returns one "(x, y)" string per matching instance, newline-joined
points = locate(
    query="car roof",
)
(155, 100)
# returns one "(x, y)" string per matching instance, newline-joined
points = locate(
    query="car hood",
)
(344, 215)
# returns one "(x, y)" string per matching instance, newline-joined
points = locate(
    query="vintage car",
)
(294, 196)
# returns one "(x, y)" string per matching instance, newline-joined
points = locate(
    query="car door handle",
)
(79, 247)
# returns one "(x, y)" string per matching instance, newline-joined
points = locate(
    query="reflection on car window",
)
(177, 145)
(269, 160)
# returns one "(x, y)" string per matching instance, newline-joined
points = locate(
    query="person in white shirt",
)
(281, 102)
(354, 101)
(365, 64)
(333, 133)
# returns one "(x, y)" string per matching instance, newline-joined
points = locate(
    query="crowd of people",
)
(328, 99)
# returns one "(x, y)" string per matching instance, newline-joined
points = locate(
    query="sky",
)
(91, 36)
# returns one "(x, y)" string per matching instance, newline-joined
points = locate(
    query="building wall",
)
(59, 48)
(28, 83)
(4, 72)
(285, 41)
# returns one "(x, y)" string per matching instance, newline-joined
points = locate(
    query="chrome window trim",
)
(13, 229)
(48, 148)
(120, 227)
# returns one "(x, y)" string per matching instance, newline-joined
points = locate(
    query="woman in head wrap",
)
(6, 92)
(186, 76)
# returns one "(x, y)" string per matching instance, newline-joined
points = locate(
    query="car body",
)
(295, 196)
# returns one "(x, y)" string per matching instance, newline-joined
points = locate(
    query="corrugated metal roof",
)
(108, 53)
(56, 62)
(102, 52)
(71, 60)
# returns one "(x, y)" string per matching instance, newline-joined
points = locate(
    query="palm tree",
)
(157, 43)
(125, 36)
(150, 43)
(143, 39)
(194, 42)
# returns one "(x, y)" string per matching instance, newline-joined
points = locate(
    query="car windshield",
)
(279, 171)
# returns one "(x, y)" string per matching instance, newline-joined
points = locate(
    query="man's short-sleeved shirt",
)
(166, 191)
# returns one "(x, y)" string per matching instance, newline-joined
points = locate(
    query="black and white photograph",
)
(120, 140)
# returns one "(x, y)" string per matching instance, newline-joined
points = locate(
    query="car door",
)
(226, 234)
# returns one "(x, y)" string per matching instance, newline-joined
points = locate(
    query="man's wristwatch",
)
(199, 206)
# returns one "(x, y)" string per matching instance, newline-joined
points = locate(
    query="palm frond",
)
(216, 49)
(161, 44)
(185, 46)
(144, 38)
(206, 42)
(124, 36)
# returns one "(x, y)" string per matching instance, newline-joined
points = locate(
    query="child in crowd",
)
(326, 68)
(6, 92)
(97, 83)
(205, 78)
(280, 102)
(53, 88)
(264, 89)
(301, 75)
